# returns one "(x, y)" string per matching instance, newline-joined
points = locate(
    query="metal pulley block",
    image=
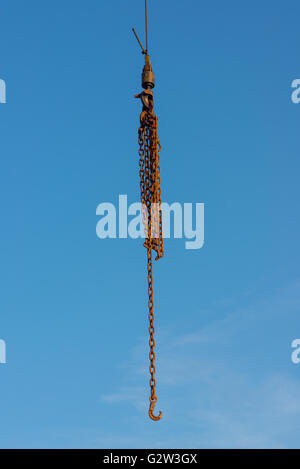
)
(148, 78)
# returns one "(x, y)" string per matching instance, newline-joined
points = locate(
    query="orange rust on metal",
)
(152, 215)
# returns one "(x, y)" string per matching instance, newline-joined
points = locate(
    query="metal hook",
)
(151, 410)
(146, 97)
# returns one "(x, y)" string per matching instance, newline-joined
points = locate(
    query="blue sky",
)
(73, 307)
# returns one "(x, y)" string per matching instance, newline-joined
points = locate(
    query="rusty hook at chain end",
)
(151, 410)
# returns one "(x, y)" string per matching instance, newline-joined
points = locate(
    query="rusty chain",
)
(149, 148)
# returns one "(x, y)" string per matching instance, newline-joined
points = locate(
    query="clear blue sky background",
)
(73, 307)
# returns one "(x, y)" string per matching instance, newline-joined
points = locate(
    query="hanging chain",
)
(149, 148)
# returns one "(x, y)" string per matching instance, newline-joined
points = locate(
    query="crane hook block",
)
(148, 79)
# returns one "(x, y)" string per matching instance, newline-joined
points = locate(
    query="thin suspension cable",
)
(146, 20)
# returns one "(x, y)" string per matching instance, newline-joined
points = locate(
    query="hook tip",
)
(152, 416)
